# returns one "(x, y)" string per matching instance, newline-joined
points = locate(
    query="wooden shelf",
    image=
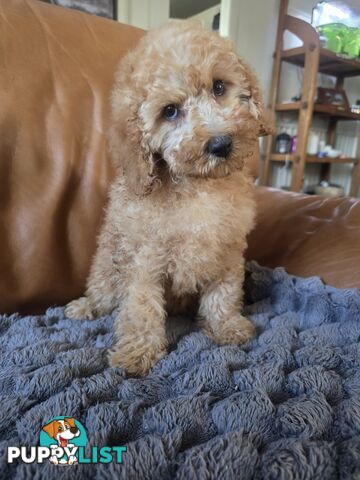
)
(329, 63)
(316, 159)
(314, 59)
(288, 106)
(284, 157)
(333, 111)
(320, 109)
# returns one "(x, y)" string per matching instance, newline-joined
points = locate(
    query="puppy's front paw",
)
(134, 360)
(234, 331)
(79, 309)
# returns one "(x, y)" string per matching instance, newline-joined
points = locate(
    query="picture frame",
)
(335, 97)
(103, 8)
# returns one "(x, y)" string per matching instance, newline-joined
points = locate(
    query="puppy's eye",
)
(60, 429)
(171, 112)
(218, 88)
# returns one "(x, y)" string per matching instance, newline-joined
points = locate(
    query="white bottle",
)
(313, 143)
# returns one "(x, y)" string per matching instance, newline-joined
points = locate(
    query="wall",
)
(255, 33)
(206, 17)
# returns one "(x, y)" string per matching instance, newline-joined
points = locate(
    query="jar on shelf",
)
(283, 143)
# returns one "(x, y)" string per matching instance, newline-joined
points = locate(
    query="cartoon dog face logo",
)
(62, 431)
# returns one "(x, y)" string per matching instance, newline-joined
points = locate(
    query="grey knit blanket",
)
(284, 406)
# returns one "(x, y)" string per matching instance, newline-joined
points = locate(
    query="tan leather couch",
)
(56, 70)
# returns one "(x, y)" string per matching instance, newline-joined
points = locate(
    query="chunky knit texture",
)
(286, 405)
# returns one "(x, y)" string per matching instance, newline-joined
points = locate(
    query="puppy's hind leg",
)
(103, 285)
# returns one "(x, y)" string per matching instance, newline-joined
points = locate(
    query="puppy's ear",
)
(70, 421)
(257, 108)
(266, 122)
(128, 141)
(263, 116)
(50, 428)
(134, 161)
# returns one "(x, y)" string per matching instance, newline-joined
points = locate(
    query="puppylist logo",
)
(62, 442)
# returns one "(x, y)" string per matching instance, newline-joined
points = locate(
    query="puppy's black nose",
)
(220, 146)
(74, 430)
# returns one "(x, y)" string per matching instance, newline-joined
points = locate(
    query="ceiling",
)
(187, 8)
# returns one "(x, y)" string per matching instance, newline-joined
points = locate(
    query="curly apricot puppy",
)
(186, 113)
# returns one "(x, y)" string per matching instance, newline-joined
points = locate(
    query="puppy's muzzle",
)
(220, 146)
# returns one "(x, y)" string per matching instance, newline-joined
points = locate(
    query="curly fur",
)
(176, 223)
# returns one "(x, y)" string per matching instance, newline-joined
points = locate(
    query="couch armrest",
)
(308, 235)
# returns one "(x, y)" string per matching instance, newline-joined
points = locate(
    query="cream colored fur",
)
(177, 219)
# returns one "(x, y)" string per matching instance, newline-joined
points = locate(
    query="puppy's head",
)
(183, 103)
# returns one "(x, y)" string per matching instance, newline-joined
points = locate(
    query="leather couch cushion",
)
(308, 235)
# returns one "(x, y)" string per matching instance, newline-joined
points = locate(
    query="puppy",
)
(186, 114)
(62, 431)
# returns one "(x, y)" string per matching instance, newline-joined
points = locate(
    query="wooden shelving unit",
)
(314, 60)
